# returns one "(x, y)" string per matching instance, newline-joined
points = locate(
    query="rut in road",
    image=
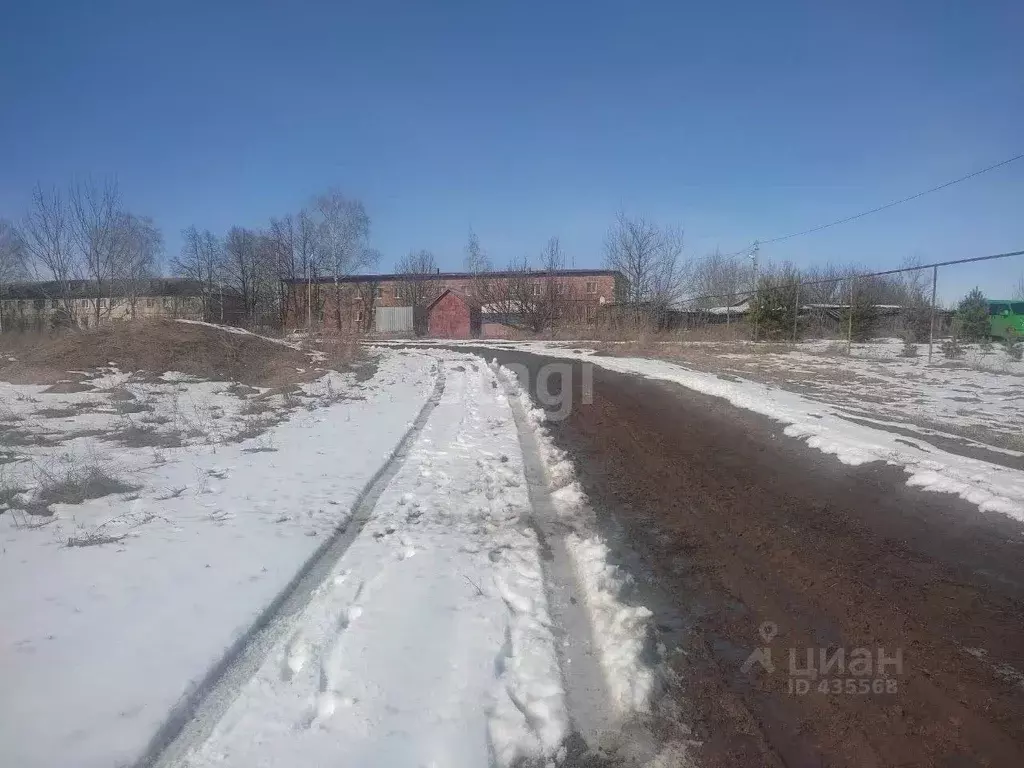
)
(193, 718)
(606, 711)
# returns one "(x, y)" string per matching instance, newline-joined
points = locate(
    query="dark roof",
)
(86, 289)
(462, 276)
(466, 299)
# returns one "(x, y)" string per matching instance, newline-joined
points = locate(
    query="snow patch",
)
(620, 630)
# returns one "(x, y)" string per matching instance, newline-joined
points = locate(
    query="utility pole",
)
(931, 322)
(309, 297)
(754, 256)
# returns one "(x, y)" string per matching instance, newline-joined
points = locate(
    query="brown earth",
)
(154, 346)
(728, 525)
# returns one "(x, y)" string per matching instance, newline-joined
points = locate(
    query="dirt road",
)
(742, 538)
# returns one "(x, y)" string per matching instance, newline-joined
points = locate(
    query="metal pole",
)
(796, 312)
(753, 300)
(931, 326)
(849, 321)
(309, 297)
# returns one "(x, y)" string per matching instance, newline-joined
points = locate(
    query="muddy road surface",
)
(886, 623)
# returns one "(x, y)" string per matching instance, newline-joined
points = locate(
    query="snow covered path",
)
(429, 643)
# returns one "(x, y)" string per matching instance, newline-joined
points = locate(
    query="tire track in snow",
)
(593, 716)
(193, 718)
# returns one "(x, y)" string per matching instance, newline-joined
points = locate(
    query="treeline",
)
(328, 237)
(84, 240)
(87, 246)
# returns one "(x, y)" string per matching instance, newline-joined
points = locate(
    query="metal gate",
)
(393, 320)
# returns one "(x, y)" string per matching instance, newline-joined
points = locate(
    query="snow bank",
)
(620, 630)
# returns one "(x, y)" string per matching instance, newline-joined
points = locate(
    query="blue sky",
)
(734, 120)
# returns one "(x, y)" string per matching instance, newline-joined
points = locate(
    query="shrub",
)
(1014, 349)
(73, 486)
(972, 316)
(917, 322)
(773, 308)
(860, 319)
(951, 349)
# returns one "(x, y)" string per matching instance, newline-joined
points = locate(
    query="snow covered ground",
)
(100, 641)
(431, 641)
(862, 409)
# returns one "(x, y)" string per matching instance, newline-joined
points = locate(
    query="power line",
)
(879, 208)
(857, 276)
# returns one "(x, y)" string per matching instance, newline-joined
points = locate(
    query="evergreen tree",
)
(972, 317)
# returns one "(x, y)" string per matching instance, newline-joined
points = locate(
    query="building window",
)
(591, 313)
(150, 301)
(591, 286)
(398, 291)
(378, 292)
(537, 289)
(53, 303)
(359, 315)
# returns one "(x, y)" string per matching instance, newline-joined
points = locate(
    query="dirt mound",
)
(155, 346)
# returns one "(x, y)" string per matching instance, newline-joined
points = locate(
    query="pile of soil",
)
(156, 346)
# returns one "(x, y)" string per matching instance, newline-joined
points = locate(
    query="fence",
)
(898, 302)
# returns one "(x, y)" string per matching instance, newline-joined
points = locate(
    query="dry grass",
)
(112, 531)
(333, 350)
(66, 412)
(124, 407)
(255, 426)
(155, 346)
(136, 436)
(8, 494)
(74, 485)
(11, 436)
(10, 457)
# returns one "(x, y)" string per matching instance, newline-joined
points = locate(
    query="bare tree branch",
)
(96, 229)
(649, 257)
(47, 239)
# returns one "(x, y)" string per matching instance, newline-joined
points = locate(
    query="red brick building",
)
(387, 304)
(453, 315)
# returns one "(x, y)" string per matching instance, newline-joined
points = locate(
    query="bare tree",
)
(13, 259)
(241, 269)
(96, 228)
(671, 271)
(200, 259)
(554, 302)
(143, 246)
(477, 260)
(367, 293)
(478, 264)
(46, 236)
(416, 287)
(343, 234)
(719, 279)
(649, 257)
(307, 245)
(13, 264)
